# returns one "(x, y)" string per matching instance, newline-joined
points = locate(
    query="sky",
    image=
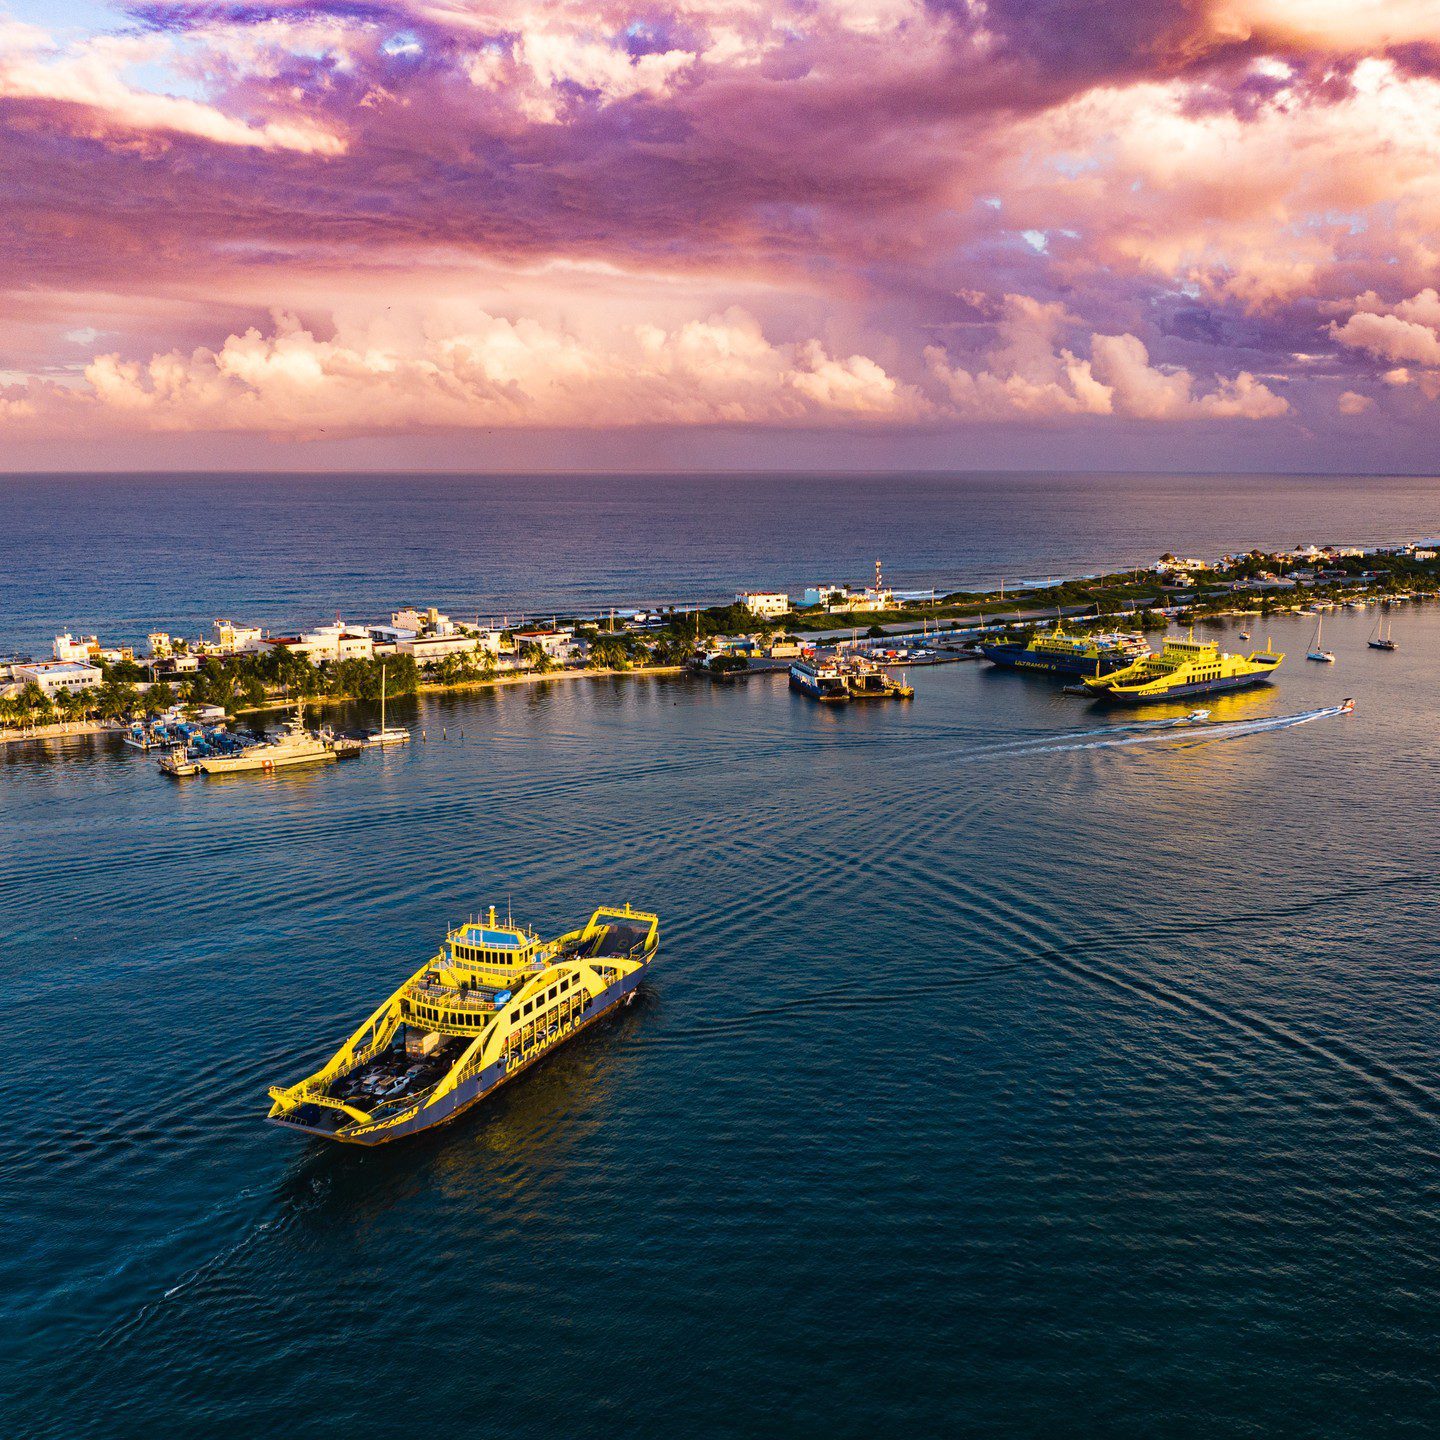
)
(738, 234)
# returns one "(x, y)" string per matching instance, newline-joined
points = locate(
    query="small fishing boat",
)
(1316, 652)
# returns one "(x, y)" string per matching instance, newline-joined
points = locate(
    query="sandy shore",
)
(105, 727)
(529, 677)
(60, 728)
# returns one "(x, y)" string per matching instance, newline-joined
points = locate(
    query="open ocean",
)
(1008, 1069)
(123, 554)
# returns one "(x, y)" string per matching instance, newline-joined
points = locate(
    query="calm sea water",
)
(997, 1078)
(122, 554)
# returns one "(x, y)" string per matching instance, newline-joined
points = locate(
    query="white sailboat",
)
(1325, 657)
(386, 734)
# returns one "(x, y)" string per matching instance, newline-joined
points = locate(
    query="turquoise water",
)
(996, 1078)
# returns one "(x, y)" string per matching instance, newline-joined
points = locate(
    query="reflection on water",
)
(1065, 1080)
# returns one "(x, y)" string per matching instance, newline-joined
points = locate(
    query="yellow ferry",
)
(493, 1001)
(1184, 668)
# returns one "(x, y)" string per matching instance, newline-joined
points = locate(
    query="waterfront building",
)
(428, 648)
(422, 622)
(558, 643)
(54, 676)
(878, 596)
(328, 643)
(162, 646)
(768, 604)
(80, 651)
(233, 639)
(386, 638)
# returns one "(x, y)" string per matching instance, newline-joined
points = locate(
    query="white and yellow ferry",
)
(493, 1001)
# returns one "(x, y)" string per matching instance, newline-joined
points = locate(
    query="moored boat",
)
(492, 1002)
(1185, 667)
(1058, 652)
(1316, 651)
(386, 734)
(1383, 639)
(294, 745)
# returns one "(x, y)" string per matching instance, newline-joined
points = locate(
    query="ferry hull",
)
(809, 687)
(237, 765)
(1020, 657)
(470, 1092)
(1184, 692)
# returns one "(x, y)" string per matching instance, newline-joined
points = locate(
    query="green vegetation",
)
(242, 682)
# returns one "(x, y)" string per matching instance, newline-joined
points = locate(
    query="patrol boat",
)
(294, 745)
(1185, 667)
(492, 1002)
(1060, 653)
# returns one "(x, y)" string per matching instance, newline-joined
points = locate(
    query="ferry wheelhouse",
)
(492, 1002)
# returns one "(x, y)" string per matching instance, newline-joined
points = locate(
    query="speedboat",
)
(1197, 715)
(1347, 706)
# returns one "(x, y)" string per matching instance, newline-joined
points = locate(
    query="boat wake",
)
(1153, 732)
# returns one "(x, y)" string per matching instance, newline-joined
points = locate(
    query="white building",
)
(162, 646)
(328, 643)
(233, 639)
(53, 676)
(389, 636)
(429, 648)
(766, 603)
(422, 622)
(80, 650)
(338, 642)
(558, 644)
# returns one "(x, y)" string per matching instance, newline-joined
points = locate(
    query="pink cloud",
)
(868, 213)
(1031, 373)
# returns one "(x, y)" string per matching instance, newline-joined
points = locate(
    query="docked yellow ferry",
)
(1184, 668)
(492, 1002)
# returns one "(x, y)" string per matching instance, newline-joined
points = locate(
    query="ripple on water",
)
(985, 1079)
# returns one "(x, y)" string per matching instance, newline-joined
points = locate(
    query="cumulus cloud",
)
(1328, 25)
(1405, 335)
(88, 77)
(1175, 203)
(460, 366)
(1351, 402)
(1261, 202)
(481, 370)
(1032, 374)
